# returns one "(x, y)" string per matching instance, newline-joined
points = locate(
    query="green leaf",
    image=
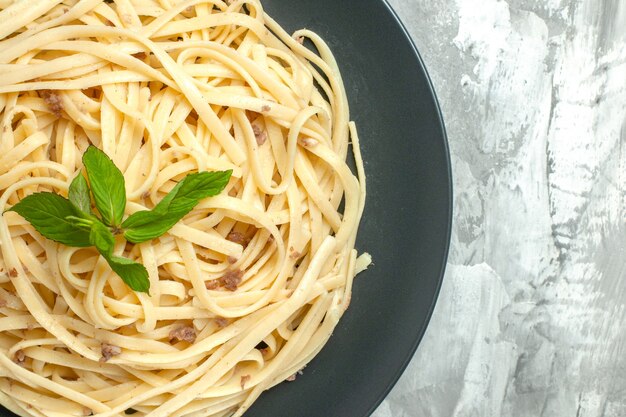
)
(79, 193)
(48, 213)
(150, 224)
(158, 227)
(198, 186)
(107, 185)
(145, 217)
(132, 273)
(101, 237)
(135, 275)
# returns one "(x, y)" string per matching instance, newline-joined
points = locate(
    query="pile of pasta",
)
(248, 287)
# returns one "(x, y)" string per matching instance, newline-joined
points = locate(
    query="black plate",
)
(407, 219)
(406, 225)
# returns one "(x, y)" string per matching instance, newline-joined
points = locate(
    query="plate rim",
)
(450, 209)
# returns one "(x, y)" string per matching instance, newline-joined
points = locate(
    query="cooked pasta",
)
(248, 287)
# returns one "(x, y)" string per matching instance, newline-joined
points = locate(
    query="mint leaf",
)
(101, 237)
(150, 224)
(132, 273)
(198, 186)
(159, 226)
(144, 217)
(79, 193)
(135, 275)
(47, 213)
(107, 185)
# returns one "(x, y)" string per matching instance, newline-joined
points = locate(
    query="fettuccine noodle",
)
(249, 286)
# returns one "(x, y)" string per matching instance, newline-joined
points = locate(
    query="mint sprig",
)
(73, 223)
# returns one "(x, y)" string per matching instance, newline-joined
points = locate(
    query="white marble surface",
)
(531, 320)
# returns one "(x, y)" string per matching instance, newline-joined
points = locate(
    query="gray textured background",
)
(531, 319)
